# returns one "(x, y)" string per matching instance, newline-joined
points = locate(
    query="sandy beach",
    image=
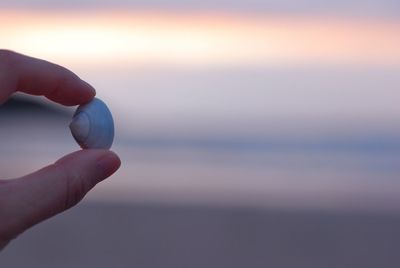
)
(149, 235)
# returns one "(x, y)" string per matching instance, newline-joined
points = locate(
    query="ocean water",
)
(299, 137)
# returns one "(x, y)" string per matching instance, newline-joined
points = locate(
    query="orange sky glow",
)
(144, 37)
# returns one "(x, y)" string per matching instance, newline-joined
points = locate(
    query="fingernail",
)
(108, 164)
(89, 87)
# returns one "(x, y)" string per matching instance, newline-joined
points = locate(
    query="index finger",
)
(38, 77)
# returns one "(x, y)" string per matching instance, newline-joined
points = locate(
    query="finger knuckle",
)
(7, 57)
(75, 187)
(9, 224)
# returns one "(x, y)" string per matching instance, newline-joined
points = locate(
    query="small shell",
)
(92, 125)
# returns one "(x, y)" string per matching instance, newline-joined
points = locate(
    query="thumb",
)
(53, 189)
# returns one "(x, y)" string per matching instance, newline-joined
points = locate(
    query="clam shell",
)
(92, 125)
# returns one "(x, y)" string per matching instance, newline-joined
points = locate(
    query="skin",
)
(31, 199)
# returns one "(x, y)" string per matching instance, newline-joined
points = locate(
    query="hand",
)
(33, 198)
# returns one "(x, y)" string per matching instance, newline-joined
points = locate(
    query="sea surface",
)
(313, 137)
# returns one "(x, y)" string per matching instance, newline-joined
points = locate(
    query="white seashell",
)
(93, 126)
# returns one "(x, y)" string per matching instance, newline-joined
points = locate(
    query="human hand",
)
(31, 199)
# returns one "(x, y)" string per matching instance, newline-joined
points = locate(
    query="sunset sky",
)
(216, 33)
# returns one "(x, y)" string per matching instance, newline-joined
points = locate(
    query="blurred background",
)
(252, 133)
